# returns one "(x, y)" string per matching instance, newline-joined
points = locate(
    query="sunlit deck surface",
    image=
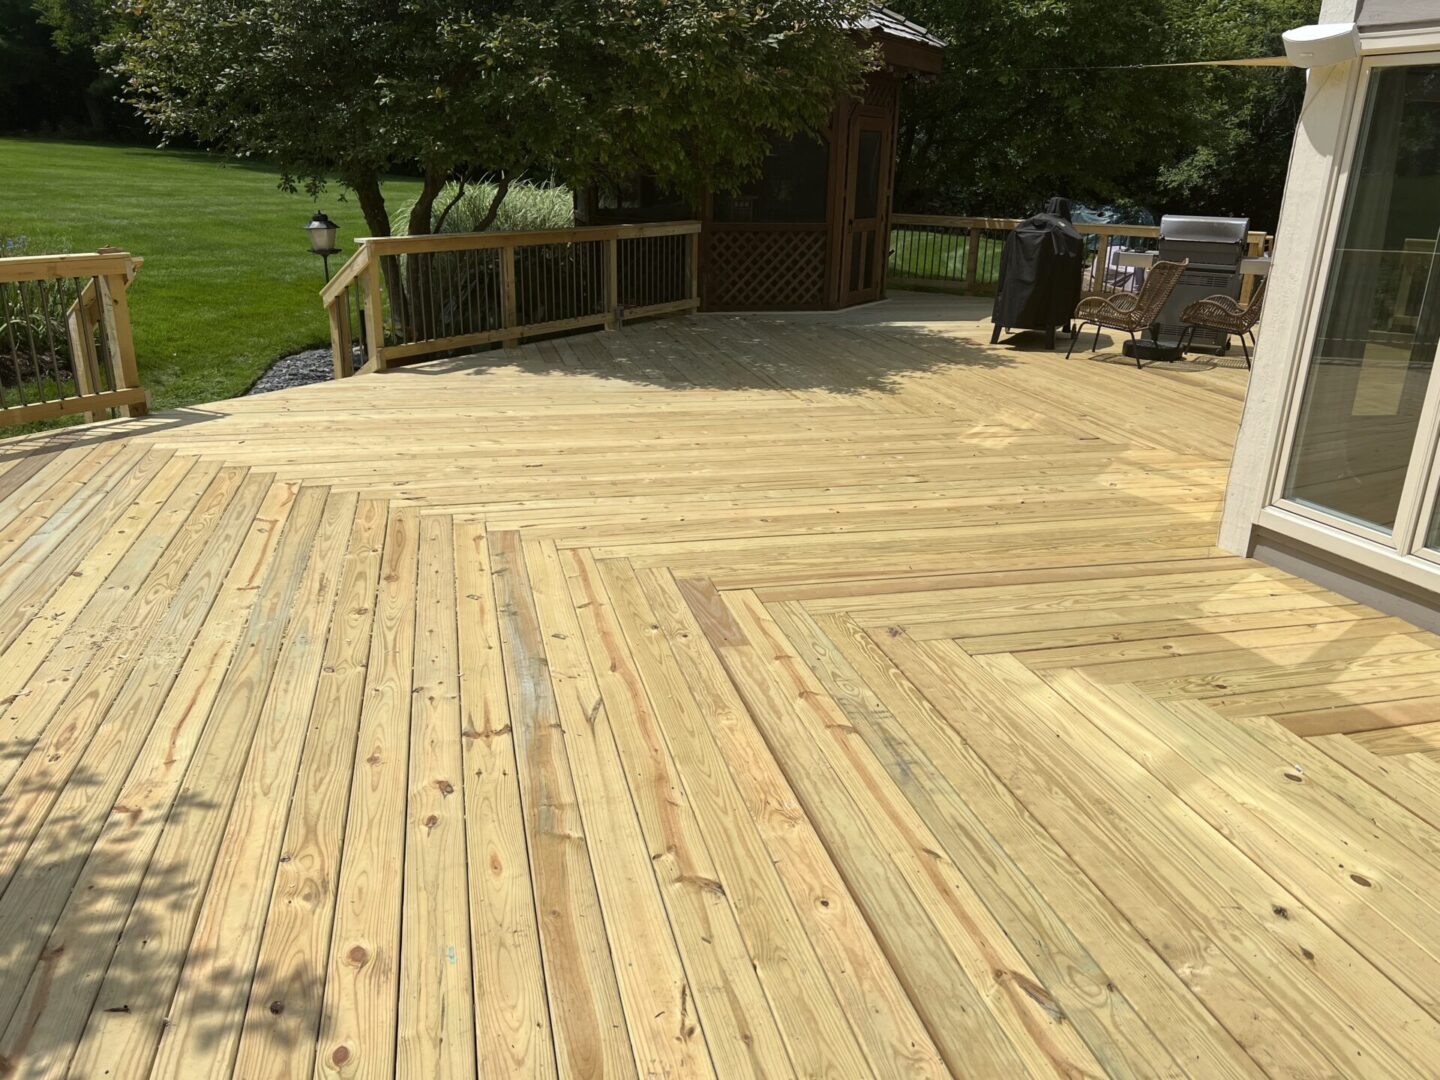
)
(818, 695)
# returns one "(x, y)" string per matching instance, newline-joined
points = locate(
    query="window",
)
(791, 187)
(1359, 435)
(867, 175)
(641, 199)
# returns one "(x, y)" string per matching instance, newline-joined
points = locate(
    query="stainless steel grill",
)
(1214, 246)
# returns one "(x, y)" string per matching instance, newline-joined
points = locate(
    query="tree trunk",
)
(501, 188)
(410, 280)
(377, 223)
(422, 213)
(372, 203)
(420, 310)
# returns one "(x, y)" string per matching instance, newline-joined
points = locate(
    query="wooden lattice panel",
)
(761, 269)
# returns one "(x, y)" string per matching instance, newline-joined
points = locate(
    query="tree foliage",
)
(689, 90)
(1246, 116)
(1040, 97)
(50, 80)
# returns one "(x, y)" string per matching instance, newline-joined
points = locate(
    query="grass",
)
(228, 283)
(935, 255)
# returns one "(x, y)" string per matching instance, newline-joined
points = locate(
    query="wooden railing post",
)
(81, 356)
(340, 348)
(361, 273)
(80, 321)
(1102, 261)
(614, 316)
(511, 316)
(693, 283)
(374, 316)
(575, 282)
(115, 310)
(972, 260)
(1255, 246)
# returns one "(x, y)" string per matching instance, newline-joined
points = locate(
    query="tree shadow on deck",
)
(13, 447)
(871, 349)
(867, 349)
(79, 892)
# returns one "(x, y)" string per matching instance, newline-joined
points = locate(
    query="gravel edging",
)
(297, 369)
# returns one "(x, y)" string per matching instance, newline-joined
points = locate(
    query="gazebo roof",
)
(905, 44)
(893, 24)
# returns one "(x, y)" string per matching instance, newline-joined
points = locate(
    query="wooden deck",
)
(822, 696)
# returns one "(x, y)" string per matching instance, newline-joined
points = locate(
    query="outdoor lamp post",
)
(321, 231)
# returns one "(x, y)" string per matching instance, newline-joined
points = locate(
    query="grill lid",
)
(1208, 230)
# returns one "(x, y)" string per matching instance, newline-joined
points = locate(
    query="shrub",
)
(527, 206)
(460, 292)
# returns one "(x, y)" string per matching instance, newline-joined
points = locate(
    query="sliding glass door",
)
(1364, 432)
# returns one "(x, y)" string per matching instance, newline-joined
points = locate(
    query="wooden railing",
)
(962, 254)
(65, 340)
(401, 298)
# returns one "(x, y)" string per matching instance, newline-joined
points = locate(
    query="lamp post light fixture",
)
(321, 231)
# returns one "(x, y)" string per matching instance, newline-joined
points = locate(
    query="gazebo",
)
(811, 232)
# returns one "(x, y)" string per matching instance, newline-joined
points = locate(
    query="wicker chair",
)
(1132, 314)
(1224, 315)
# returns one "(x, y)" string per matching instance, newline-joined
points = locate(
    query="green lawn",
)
(917, 253)
(228, 284)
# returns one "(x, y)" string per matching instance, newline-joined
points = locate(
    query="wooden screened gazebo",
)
(811, 232)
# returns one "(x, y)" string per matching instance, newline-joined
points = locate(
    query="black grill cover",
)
(1040, 271)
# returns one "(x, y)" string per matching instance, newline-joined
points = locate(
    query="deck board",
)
(729, 695)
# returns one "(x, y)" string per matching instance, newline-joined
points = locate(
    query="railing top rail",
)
(1100, 229)
(1094, 228)
(404, 245)
(83, 264)
(952, 222)
(352, 268)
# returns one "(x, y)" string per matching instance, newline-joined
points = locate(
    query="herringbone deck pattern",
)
(812, 696)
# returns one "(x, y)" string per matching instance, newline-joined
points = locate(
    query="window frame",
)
(1422, 477)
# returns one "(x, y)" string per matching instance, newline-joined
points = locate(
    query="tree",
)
(1021, 111)
(688, 90)
(1042, 97)
(1246, 116)
(49, 78)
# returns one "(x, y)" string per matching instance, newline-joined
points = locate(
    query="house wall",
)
(1299, 244)
(1350, 565)
(1393, 14)
(1380, 591)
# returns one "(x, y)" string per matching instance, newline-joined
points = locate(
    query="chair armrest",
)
(1211, 306)
(1120, 304)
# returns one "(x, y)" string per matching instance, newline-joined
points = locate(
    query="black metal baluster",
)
(437, 275)
(437, 262)
(463, 315)
(29, 322)
(49, 328)
(5, 291)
